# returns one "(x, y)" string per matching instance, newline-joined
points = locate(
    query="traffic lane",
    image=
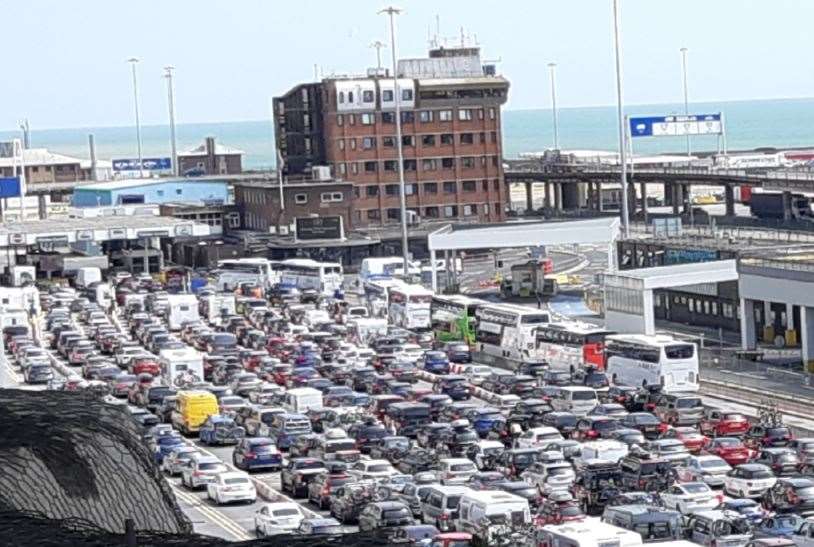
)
(231, 522)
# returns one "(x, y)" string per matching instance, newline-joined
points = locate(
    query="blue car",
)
(484, 419)
(746, 507)
(220, 430)
(436, 362)
(257, 453)
(779, 525)
(164, 445)
(457, 387)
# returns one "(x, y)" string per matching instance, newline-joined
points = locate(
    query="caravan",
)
(485, 513)
(214, 307)
(181, 366)
(181, 309)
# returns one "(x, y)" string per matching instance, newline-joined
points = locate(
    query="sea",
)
(780, 123)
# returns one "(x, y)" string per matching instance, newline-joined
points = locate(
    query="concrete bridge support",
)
(668, 193)
(643, 192)
(729, 200)
(677, 192)
(570, 196)
(42, 207)
(529, 196)
(686, 196)
(547, 199)
(557, 196)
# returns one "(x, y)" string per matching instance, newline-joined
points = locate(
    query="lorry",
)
(181, 309)
(180, 367)
(770, 205)
(86, 276)
(533, 277)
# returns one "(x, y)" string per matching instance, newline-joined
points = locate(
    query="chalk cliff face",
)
(71, 455)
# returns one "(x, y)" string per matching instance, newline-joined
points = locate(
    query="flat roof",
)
(132, 183)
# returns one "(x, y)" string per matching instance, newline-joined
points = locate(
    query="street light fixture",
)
(552, 70)
(168, 70)
(133, 62)
(621, 118)
(392, 12)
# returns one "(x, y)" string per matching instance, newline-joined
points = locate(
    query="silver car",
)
(178, 458)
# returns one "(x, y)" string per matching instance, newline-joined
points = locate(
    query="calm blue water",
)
(750, 124)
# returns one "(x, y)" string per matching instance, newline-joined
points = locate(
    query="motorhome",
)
(181, 366)
(181, 309)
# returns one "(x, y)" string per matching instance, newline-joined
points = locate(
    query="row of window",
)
(368, 96)
(449, 187)
(431, 211)
(427, 164)
(427, 141)
(424, 116)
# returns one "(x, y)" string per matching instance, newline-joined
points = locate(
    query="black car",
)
(530, 412)
(418, 460)
(782, 461)
(384, 514)
(591, 428)
(591, 377)
(516, 384)
(640, 471)
(791, 495)
(565, 422)
(760, 436)
(322, 485)
(516, 460)
(346, 502)
(622, 395)
(438, 402)
(297, 473)
(458, 352)
(392, 448)
(456, 441)
(428, 435)
(557, 378)
(650, 426)
(537, 369)
(365, 434)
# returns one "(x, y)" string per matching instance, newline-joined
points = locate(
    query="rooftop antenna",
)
(378, 45)
(437, 28)
(462, 37)
(316, 72)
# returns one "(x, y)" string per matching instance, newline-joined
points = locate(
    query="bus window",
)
(534, 319)
(421, 299)
(679, 351)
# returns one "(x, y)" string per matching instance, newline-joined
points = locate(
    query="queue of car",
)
(383, 435)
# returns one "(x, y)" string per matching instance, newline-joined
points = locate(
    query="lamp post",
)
(392, 12)
(621, 118)
(378, 46)
(686, 97)
(133, 62)
(552, 70)
(168, 70)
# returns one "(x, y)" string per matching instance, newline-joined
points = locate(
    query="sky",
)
(65, 62)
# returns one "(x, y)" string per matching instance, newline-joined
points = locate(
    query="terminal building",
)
(146, 191)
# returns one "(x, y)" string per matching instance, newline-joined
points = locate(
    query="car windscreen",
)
(583, 395)
(378, 468)
(214, 466)
(689, 402)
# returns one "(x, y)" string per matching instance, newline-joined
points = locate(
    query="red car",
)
(723, 423)
(281, 374)
(730, 449)
(146, 364)
(452, 539)
(692, 439)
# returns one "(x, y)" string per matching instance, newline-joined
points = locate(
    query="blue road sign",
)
(149, 164)
(674, 126)
(9, 187)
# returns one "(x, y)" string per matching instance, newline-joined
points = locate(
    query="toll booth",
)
(530, 279)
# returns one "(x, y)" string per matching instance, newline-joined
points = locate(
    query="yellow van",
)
(192, 408)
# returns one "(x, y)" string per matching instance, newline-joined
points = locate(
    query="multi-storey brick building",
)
(451, 135)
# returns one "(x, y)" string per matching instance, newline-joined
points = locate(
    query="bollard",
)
(130, 532)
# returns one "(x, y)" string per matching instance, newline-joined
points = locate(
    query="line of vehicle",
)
(225, 523)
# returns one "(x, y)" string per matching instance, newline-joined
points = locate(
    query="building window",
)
(430, 187)
(341, 97)
(331, 197)
(485, 208)
(494, 161)
(356, 193)
(450, 211)
(482, 137)
(470, 210)
(388, 117)
(160, 193)
(368, 143)
(496, 185)
(343, 169)
(410, 165)
(484, 185)
(393, 214)
(407, 117)
(373, 214)
(447, 139)
(406, 94)
(445, 115)
(467, 138)
(366, 119)
(483, 161)
(428, 140)
(354, 168)
(469, 186)
(300, 199)
(497, 208)
(387, 95)
(352, 144)
(425, 116)
(388, 142)
(351, 119)
(391, 189)
(179, 191)
(340, 119)
(408, 140)
(350, 97)
(410, 189)
(447, 163)
(491, 113)
(370, 167)
(391, 165)
(465, 114)
(468, 163)
(341, 144)
(480, 113)
(371, 191)
(494, 136)
(429, 164)
(367, 96)
(450, 187)
(431, 212)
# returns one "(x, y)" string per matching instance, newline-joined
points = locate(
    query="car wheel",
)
(259, 532)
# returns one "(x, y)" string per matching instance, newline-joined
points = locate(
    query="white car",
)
(537, 436)
(231, 486)
(410, 352)
(456, 470)
(201, 471)
(690, 497)
(277, 518)
(476, 373)
(550, 477)
(174, 462)
(708, 468)
(372, 469)
(749, 480)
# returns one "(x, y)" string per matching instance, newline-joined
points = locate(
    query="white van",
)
(181, 309)
(302, 399)
(315, 317)
(23, 275)
(576, 399)
(180, 366)
(590, 532)
(86, 276)
(104, 295)
(605, 450)
(214, 306)
(495, 507)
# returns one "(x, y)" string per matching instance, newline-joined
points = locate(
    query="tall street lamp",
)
(133, 62)
(686, 97)
(552, 70)
(392, 12)
(168, 70)
(621, 118)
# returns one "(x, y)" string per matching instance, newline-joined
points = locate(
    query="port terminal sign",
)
(148, 164)
(676, 126)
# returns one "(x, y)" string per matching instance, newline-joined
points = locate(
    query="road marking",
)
(218, 518)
